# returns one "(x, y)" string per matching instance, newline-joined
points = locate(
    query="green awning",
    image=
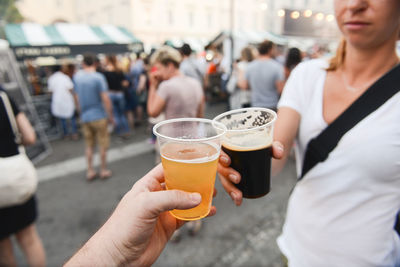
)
(60, 39)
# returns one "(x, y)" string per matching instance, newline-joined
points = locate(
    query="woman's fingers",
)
(278, 150)
(224, 159)
(233, 192)
(229, 173)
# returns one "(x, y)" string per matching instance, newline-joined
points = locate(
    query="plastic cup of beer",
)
(248, 142)
(190, 149)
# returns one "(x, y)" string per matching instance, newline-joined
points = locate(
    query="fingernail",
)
(225, 160)
(195, 197)
(234, 178)
(233, 195)
(279, 147)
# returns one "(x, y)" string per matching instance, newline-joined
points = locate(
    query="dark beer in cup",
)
(248, 143)
(254, 165)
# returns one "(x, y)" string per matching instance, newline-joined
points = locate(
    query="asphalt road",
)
(71, 210)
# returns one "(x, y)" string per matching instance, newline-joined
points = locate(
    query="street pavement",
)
(71, 209)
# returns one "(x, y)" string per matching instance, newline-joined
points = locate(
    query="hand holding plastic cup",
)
(248, 142)
(189, 149)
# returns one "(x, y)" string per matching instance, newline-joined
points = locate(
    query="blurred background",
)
(37, 36)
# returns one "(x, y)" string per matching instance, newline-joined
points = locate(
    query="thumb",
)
(161, 201)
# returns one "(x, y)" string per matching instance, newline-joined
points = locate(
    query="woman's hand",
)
(229, 177)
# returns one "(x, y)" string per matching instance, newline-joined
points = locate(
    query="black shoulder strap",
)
(319, 147)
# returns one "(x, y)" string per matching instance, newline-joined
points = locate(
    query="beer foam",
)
(245, 142)
(190, 153)
(246, 120)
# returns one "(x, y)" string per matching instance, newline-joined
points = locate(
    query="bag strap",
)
(12, 120)
(318, 148)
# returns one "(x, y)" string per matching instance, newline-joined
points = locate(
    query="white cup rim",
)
(247, 109)
(216, 124)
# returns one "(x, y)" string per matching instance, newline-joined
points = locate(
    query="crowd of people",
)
(113, 95)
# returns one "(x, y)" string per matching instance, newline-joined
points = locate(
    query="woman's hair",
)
(338, 60)
(166, 55)
(293, 58)
(112, 59)
(247, 54)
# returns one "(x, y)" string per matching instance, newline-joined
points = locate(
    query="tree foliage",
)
(9, 12)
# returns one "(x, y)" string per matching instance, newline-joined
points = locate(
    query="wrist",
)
(97, 252)
(105, 251)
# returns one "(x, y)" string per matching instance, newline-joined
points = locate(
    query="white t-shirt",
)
(343, 211)
(62, 104)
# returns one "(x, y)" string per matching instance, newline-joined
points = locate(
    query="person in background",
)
(239, 95)
(140, 227)
(174, 94)
(190, 66)
(293, 58)
(69, 69)
(143, 88)
(117, 84)
(343, 211)
(62, 102)
(279, 55)
(131, 99)
(264, 78)
(96, 111)
(177, 95)
(19, 220)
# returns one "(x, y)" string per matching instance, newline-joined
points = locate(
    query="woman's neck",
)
(365, 64)
(175, 73)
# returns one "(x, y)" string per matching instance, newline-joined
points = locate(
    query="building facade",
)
(155, 21)
(47, 11)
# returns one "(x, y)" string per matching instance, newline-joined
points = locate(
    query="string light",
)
(295, 15)
(319, 16)
(330, 18)
(307, 13)
(281, 13)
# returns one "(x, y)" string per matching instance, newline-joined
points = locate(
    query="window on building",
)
(148, 16)
(241, 21)
(209, 19)
(170, 17)
(191, 19)
(125, 2)
(110, 16)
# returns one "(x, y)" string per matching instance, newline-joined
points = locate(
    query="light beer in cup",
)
(189, 150)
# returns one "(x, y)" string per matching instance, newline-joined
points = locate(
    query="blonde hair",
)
(247, 54)
(166, 55)
(338, 60)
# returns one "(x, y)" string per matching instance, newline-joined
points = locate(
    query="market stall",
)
(11, 79)
(37, 48)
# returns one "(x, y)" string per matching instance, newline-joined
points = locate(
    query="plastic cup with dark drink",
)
(248, 142)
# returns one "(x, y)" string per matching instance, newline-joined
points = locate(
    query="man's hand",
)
(138, 230)
(154, 79)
